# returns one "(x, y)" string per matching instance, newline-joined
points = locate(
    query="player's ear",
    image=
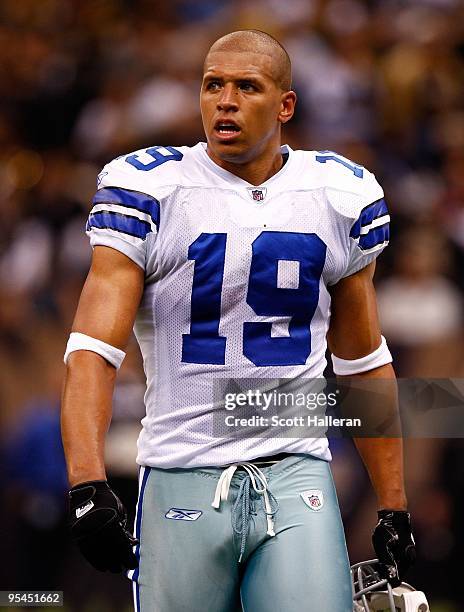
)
(287, 106)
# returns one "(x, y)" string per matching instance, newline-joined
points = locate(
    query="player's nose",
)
(228, 100)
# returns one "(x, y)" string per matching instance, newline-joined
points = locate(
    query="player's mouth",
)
(226, 130)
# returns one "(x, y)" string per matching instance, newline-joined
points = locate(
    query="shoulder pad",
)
(145, 170)
(349, 186)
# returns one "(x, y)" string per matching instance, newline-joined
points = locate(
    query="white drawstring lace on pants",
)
(241, 510)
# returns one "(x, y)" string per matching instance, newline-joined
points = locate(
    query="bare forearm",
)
(86, 415)
(383, 457)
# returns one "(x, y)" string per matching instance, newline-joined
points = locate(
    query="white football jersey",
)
(236, 281)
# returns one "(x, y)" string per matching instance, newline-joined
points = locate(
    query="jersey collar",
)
(236, 180)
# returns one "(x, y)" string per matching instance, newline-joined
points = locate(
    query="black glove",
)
(394, 545)
(97, 520)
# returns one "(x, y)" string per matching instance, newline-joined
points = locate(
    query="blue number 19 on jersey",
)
(204, 344)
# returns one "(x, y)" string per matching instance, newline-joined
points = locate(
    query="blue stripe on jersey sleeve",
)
(130, 199)
(368, 214)
(120, 223)
(376, 236)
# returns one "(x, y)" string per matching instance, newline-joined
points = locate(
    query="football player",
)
(237, 258)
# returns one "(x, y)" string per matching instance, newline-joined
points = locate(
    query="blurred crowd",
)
(83, 81)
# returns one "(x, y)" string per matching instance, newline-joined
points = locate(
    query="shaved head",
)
(245, 98)
(255, 41)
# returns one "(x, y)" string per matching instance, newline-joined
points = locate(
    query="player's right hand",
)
(97, 520)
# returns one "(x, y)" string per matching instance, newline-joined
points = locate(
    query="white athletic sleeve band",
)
(347, 367)
(82, 342)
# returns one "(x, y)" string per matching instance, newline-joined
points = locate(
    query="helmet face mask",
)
(371, 593)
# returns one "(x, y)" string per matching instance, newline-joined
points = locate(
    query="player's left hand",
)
(394, 544)
(97, 519)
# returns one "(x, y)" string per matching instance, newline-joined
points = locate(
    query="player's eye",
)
(247, 86)
(213, 85)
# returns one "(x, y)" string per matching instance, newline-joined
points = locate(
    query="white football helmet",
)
(371, 593)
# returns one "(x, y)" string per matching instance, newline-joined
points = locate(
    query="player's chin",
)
(227, 140)
(229, 150)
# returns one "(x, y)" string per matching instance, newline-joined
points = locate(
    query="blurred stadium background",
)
(82, 81)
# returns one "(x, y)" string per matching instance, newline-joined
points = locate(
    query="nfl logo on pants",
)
(313, 498)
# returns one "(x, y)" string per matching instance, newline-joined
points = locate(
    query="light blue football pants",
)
(189, 551)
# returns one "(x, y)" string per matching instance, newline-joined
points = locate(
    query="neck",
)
(256, 171)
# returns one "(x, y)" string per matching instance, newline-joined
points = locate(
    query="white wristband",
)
(348, 367)
(82, 342)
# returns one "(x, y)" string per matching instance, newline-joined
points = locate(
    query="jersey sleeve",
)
(368, 237)
(122, 217)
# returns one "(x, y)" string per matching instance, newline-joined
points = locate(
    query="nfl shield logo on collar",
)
(257, 193)
(313, 498)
